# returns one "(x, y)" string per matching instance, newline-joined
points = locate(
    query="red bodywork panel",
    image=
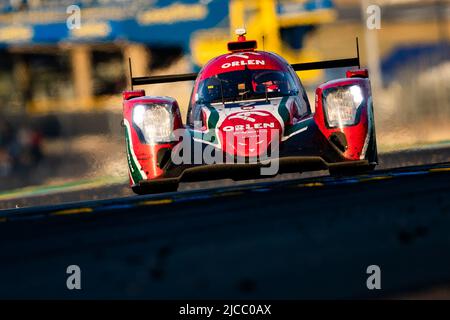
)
(127, 95)
(359, 73)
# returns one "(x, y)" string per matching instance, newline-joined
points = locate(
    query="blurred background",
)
(60, 87)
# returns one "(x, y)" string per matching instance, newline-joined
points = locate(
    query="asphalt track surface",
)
(395, 159)
(301, 238)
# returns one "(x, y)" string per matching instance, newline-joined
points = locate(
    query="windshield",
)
(246, 84)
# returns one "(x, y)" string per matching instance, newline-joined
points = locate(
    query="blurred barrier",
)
(415, 106)
(20, 147)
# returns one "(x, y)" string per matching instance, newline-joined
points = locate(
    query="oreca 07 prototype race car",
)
(248, 117)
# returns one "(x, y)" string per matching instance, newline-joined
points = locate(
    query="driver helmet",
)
(274, 81)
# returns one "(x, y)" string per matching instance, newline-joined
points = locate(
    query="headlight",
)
(341, 105)
(155, 122)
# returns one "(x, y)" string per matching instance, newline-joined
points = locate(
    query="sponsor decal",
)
(254, 122)
(248, 116)
(243, 63)
(248, 121)
(176, 12)
(249, 133)
(249, 127)
(195, 148)
(245, 60)
(243, 55)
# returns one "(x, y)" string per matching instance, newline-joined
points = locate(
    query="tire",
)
(351, 171)
(155, 187)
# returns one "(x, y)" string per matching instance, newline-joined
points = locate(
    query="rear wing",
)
(327, 64)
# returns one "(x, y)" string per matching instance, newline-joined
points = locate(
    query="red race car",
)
(249, 117)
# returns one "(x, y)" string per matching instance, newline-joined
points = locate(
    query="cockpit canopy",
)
(246, 85)
(244, 76)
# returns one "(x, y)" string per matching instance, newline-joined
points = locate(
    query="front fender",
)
(146, 160)
(352, 140)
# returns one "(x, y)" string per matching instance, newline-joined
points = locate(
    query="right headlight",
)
(155, 122)
(341, 105)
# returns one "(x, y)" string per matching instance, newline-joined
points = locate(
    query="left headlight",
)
(155, 122)
(341, 105)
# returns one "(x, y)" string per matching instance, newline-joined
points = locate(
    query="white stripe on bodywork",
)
(294, 133)
(215, 145)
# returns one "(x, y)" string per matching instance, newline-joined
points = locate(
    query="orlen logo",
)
(243, 63)
(246, 62)
(249, 121)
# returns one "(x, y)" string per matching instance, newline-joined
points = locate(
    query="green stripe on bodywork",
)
(213, 117)
(135, 171)
(283, 111)
(210, 135)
